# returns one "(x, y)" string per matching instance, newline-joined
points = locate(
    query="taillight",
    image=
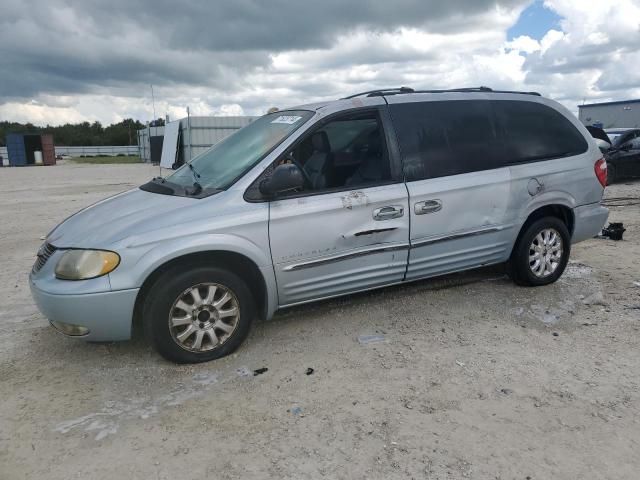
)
(601, 171)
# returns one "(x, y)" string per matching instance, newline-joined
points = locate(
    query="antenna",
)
(153, 102)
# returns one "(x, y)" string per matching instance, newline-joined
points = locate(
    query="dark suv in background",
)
(623, 159)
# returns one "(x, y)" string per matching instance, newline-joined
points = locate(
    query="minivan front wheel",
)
(197, 314)
(541, 254)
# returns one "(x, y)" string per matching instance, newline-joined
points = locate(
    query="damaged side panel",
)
(332, 243)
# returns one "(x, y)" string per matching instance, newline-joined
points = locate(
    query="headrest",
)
(320, 142)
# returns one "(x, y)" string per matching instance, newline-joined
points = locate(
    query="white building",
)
(197, 134)
(623, 114)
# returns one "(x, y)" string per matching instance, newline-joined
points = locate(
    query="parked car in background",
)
(376, 189)
(614, 133)
(623, 159)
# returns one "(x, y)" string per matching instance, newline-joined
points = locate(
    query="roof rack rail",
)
(402, 90)
(477, 89)
(380, 92)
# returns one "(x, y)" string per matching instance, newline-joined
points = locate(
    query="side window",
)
(346, 152)
(533, 131)
(444, 138)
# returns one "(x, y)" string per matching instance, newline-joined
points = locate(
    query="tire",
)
(612, 174)
(528, 273)
(179, 287)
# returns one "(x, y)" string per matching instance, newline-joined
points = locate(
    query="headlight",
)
(86, 264)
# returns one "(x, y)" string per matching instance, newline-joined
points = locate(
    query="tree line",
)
(82, 134)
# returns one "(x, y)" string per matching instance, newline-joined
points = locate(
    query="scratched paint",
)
(355, 198)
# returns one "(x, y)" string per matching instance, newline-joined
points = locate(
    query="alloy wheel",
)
(545, 252)
(203, 317)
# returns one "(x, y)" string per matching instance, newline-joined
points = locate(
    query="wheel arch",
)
(235, 262)
(557, 210)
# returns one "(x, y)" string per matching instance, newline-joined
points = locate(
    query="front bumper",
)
(107, 315)
(589, 221)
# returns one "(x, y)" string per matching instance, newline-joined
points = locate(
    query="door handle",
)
(428, 206)
(388, 213)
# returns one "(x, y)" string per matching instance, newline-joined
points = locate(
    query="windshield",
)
(219, 167)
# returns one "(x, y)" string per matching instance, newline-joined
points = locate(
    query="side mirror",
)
(285, 178)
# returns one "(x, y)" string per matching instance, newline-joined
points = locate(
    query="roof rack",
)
(402, 90)
(381, 92)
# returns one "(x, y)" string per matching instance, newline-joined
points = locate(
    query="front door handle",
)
(428, 206)
(388, 213)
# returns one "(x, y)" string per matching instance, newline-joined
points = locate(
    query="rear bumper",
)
(107, 315)
(589, 221)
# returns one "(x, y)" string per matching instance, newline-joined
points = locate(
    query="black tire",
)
(612, 174)
(169, 287)
(519, 267)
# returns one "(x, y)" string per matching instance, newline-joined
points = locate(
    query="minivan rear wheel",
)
(197, 314)
(541, 253)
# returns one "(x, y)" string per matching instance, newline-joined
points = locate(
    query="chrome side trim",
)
(455, 236)
(379, 287)
(346, 256)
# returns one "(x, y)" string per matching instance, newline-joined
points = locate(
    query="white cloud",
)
(592, 56)
(39, 114)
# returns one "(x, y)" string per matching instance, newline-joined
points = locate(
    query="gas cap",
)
(535, 187)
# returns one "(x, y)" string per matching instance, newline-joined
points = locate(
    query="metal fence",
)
(105, 150)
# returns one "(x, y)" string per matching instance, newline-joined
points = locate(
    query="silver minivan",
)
(322, 200)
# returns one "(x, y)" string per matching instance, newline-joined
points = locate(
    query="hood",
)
(111, 220)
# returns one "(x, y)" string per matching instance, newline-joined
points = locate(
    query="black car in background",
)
(623, 158)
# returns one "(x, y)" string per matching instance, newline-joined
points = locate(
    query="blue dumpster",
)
(16, 150)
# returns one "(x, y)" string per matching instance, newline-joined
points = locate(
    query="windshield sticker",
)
(288, 119)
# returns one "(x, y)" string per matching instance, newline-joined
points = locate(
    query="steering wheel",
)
(305, 175)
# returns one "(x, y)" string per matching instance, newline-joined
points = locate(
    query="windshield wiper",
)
(197, 188)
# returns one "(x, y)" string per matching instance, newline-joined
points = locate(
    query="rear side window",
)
(533, 131)
(438, 139)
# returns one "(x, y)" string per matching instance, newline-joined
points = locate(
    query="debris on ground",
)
(368, 339)
(260, 371)
(297, 411)
(244, 372)
(595, 299)
(309, 371)
(614, 231)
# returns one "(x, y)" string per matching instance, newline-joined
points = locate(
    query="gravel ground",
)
(475, 378)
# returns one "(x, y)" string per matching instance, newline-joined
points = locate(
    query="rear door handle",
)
(428, 206)
(388, 213)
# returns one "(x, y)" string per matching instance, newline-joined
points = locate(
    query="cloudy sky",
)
(67, 61)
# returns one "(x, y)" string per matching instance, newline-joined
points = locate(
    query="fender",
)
(144, 260)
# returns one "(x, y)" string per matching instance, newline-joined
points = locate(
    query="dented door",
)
(468, 228)
(339, 242)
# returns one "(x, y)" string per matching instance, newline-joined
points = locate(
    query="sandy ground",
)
(476, 378)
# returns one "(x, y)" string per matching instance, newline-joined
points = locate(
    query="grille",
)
(46, 250)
